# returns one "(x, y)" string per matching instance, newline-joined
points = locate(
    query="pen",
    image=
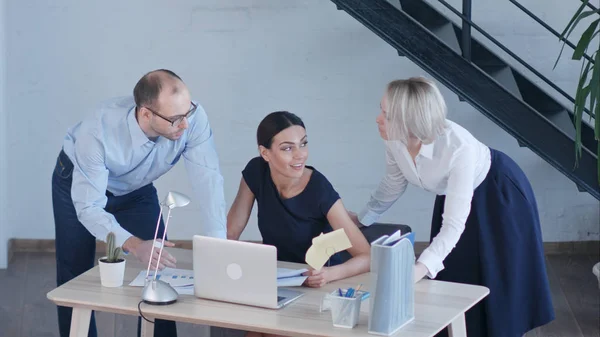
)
(357, 289)
(340, 291)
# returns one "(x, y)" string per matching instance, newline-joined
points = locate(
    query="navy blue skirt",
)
(501, 248)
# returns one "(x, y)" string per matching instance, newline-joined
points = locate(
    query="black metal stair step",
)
(431, 19)
(554, 111)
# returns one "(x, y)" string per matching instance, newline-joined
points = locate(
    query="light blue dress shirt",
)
(110, 152)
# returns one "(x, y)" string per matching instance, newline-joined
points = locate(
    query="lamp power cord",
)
(140, 311)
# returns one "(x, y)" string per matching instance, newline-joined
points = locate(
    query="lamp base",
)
(157, 292)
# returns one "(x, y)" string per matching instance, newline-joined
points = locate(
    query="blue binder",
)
(392, 285)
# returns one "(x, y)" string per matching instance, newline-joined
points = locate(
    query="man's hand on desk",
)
(141, 250)
(317, 279)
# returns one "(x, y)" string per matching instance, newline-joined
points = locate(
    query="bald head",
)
(148, 89)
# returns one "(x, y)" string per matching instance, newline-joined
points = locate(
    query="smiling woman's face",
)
(288, 152)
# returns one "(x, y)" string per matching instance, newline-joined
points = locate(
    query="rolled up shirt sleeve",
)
(390, 188)
(457, 206)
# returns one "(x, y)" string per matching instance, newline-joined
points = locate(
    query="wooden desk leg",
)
(458, 328)
(147, 328)
(80, 322)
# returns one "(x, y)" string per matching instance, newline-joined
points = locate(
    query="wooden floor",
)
(25, 311)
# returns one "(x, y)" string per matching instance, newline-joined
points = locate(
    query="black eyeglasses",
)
(176, 120)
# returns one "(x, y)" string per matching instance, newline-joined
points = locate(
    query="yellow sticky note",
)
(325, 245)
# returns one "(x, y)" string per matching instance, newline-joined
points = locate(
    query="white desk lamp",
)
(155, 291)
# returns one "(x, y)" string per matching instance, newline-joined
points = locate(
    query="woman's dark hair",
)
(274, 123)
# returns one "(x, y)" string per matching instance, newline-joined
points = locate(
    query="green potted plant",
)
(588, 91)
(588, 87)
(112, 266)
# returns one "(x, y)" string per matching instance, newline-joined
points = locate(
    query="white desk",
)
(437, 305)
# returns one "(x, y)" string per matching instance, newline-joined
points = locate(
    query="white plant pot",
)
(111, 274)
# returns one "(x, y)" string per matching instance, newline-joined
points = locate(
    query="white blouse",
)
(453, 165)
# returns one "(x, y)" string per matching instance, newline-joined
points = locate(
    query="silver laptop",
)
(238, 272)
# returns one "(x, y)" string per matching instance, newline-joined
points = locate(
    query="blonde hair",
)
(415, 108)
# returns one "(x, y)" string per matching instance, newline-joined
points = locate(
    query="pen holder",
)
(344, 310)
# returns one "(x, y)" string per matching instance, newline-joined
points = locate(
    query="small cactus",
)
(112, 253)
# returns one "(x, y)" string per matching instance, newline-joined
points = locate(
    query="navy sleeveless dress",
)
(291, 224)
(501, 248)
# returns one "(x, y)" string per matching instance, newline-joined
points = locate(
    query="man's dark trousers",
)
(136, 212)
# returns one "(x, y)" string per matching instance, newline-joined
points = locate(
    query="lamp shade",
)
(176, 199)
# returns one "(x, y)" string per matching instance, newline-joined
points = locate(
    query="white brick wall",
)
(242, 60)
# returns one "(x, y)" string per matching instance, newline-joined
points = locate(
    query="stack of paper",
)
(290, 277)
(182, 280)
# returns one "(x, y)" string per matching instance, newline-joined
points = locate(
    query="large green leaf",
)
(585, 40)
(579, 18)
(596, 84)
(570, 27)
(580, 100)
(595, 81)
(572, 23)
(585, 89)
(595, 87)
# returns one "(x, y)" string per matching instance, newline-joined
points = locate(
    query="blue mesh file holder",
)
(392, 286)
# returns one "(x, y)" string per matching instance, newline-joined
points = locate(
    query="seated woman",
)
(295, 202)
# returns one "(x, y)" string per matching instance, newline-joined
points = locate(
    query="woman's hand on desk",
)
(317, 278)
(141, 250)
(419, 271)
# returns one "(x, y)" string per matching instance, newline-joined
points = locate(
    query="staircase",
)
(484, 80)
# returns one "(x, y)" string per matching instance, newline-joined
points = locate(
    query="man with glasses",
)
(103, 179)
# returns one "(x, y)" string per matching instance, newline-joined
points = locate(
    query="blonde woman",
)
(485, 228)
